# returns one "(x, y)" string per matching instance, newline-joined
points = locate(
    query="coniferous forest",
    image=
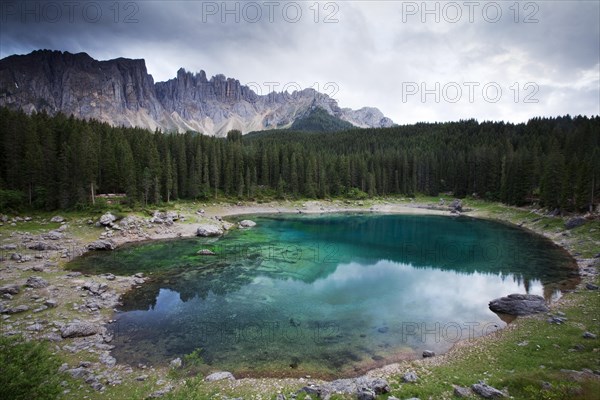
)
(52, 162)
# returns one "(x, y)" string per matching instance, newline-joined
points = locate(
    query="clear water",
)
(327, 295)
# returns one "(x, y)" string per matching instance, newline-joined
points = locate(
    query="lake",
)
(325, 295)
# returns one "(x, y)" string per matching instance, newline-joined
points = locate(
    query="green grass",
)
(28, 370)
(521, 369)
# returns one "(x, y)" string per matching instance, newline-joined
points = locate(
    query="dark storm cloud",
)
(370, 52)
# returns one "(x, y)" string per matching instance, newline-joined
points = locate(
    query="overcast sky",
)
(415, 61)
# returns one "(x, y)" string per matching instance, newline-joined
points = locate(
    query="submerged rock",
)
(206, 252)
(519, 304)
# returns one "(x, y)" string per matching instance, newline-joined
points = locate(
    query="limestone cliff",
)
(121, 92)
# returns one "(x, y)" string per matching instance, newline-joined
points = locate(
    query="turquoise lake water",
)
(326, 295)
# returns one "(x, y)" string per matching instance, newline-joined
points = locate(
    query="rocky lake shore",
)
(42, 300)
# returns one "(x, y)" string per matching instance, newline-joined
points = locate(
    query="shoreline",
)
(211, 213)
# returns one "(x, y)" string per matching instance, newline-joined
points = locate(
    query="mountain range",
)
(121, 92)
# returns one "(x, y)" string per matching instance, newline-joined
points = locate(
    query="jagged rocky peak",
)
(196, 87)
(77, 84)
(367, 117)
(121, 92)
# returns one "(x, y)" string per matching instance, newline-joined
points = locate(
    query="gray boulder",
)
(247, 223)
(78, 373)
(16, 309)
(486, 391)
(226, 225)
(219, 376)
(41, 246)
(102, 245)
(460, 391)
(574, 222)
(410, 377)
(361, 386)
(10, 289)
(209, 230)
(109, 277)
(456, 205)
(379, 386)
(36, 282)
(519, 304)
(107, 219)
(428, 353)
(95, 287)
(79, 329)
(57, 218)
(108, 360)
(160, 393)
(172, 215)
(53, 235)
(51, 303)
(166, 218)
(366, 394)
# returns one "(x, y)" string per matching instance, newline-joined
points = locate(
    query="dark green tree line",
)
(61, 162)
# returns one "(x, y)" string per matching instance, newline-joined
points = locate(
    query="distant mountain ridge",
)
(121, 92)
(317, 119)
